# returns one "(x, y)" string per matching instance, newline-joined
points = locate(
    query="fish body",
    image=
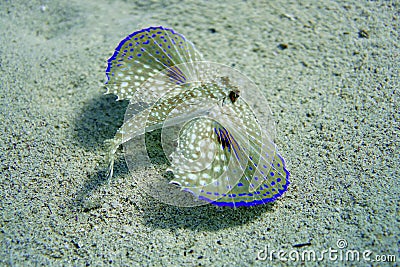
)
(223, 155)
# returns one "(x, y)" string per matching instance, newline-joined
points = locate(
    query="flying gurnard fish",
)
(222, 153)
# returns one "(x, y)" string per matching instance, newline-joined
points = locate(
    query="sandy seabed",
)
(329, 70)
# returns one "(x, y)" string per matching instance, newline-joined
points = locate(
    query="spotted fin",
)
(146, 52)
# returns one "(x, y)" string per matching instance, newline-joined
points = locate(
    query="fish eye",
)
(234, 95)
